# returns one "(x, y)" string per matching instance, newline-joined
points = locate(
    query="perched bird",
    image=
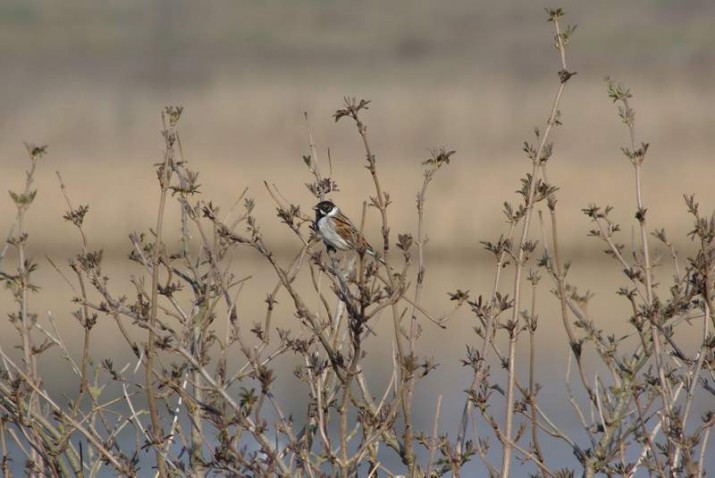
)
(338, 232)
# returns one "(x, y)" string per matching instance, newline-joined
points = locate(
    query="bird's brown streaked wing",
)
(350, 233)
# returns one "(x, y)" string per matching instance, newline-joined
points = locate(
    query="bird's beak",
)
(315, 208)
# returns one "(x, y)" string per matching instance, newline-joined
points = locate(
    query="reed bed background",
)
(89, 79)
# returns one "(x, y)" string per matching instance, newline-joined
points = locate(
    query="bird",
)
(338, 232)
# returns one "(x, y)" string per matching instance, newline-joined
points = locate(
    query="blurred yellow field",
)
(240, 135)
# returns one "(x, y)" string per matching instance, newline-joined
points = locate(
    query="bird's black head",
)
(322, 209)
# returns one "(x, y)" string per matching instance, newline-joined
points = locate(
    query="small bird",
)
(338, 232)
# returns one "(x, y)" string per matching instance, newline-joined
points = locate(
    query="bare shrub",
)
(200, 398)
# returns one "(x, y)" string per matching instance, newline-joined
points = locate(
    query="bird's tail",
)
(375, 254)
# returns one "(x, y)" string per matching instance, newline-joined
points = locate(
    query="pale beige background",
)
(89, 79)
